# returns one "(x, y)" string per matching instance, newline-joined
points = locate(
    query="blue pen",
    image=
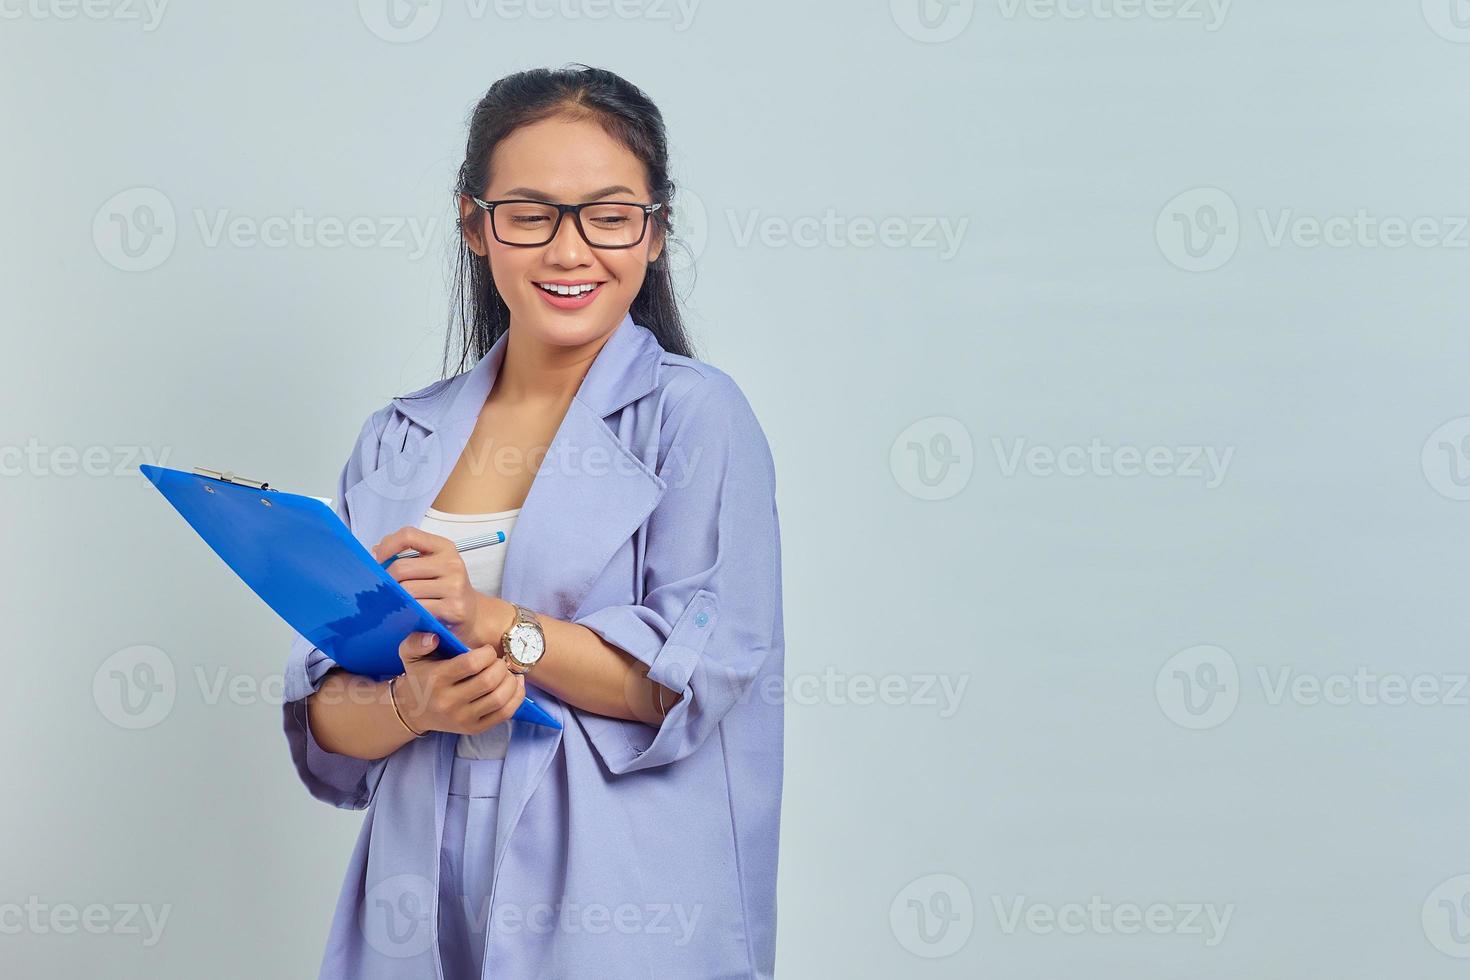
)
(468, 544)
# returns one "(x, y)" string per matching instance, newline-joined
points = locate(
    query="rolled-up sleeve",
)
(712, 582)
(340, 780)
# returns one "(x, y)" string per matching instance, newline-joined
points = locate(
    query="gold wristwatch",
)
(524, 643)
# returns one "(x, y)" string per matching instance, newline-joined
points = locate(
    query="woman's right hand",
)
(466, 695)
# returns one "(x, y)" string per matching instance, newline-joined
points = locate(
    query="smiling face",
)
(569, 162)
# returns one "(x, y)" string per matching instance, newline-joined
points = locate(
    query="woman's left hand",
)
(438, 579)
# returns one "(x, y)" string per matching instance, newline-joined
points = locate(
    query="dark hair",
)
(478, 314)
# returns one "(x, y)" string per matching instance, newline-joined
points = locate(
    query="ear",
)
(656, 246)
(472, 225)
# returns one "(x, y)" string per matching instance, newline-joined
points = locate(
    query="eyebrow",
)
(532, 193)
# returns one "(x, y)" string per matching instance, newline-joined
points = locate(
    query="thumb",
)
(417, 646)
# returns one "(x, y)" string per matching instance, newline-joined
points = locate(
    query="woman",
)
(637, 597)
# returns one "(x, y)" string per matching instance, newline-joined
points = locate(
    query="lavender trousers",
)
(466, 861)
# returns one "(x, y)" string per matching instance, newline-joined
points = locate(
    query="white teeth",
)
(585, 287)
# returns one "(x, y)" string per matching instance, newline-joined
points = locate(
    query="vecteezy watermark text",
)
(1210, 14)
(147, 13)
(1200, 687)
(1099, 917)
(406, 21)
(35, 458)
(37, 917)
(937, 233)
(1201, 229)
(1099, 459)
(137, 229)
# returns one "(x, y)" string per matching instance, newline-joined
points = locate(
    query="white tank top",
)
(486, 566)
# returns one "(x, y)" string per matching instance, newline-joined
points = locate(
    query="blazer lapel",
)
(416, 464)
(590, 495)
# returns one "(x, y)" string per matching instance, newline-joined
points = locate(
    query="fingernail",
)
(428, 639)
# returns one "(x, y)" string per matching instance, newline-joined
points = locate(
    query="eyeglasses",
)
(606, 224)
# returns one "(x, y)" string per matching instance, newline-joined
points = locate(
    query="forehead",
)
(564, 158)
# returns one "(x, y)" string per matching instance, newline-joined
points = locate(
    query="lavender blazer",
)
(622, 850)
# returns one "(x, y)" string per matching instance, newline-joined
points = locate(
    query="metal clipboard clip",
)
(229, 477)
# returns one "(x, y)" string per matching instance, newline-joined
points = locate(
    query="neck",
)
(536, 372)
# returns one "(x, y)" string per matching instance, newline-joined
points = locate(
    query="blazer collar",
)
(625, 369)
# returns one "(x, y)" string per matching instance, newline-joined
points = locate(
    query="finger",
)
(467, 665)
(491, 672)
(499, 698)
(507, 710)
(388, 546)
(423, 567)
(410, 537)
(429, 607)
(425, 588)
(417, 646)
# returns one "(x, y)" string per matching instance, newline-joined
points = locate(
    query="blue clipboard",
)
(296, 554)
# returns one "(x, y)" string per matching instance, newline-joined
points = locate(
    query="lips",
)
(571, 300)
(561, 288)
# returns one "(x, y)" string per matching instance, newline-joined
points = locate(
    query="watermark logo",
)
(1198, 688)
(411, 473)
(400, 21)
(1446, 917)
(139, 687)
(934, 458)
(1445, 459)
(135, 687)
(397, 916)
(690, 227)
(933, 916)
(135, 229)
(1199, 229)
(932, 21)
(1450, 19)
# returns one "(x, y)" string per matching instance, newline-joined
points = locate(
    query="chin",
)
(570, 329)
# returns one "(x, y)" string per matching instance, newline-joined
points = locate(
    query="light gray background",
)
(1065, 609)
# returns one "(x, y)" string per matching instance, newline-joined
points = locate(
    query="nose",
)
(568, 249)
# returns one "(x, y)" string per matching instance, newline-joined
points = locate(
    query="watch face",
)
(526, 643)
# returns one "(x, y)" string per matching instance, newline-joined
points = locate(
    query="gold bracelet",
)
(662, 711)
(394, 698)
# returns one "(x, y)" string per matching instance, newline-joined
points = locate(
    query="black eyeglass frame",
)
(562, 210)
